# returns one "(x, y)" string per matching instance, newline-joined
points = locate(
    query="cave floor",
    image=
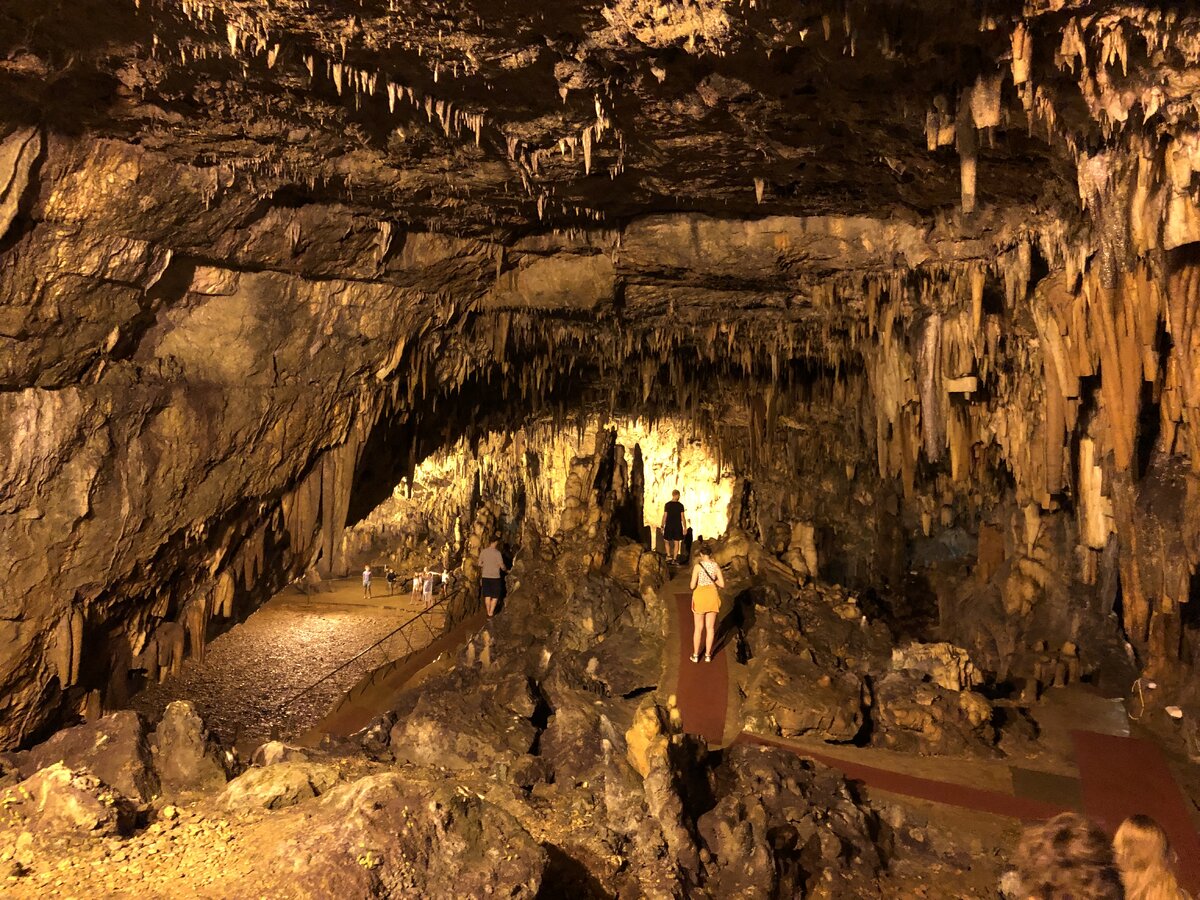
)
(245, 684)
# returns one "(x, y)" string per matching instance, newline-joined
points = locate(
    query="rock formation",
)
(913, 284)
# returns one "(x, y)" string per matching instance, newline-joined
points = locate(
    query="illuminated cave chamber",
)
(521, 478)
(901, 296)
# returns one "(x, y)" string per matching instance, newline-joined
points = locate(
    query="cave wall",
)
(163, 421)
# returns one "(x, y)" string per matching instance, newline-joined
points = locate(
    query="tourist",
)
(390, 577)
(427, 591)
(366, 582)
(674, 526)
(417, 582)
(1065, 858)
(706, 600)
(491, 571)
(1144, 857)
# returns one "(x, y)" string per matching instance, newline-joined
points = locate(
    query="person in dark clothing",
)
(391, 581)
(674, 526)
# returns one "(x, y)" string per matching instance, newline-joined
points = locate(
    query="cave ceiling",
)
(497, 119)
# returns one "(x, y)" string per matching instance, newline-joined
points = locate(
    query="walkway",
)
(246, 684)
(1117, 776)
(373, 695)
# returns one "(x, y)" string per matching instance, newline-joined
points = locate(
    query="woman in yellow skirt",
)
(706, 601)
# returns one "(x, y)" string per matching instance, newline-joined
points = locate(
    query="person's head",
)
(702, 550)
(675, 496)
(494, 543)
(1143, 855)
(1067, 858)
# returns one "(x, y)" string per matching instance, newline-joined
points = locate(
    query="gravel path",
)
(281, 649)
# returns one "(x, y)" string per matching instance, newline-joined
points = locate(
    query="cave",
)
(897, 295)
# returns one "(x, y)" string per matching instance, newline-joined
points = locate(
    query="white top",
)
(366, 575)
(703, 568)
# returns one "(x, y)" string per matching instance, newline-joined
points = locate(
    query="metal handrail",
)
(445, 598)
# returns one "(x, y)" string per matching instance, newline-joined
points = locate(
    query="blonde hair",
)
(1144, 858)
(1067, 858)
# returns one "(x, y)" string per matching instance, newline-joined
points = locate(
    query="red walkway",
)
(994, 802)
(703, 690)
(1120, 776)
(1125, 776)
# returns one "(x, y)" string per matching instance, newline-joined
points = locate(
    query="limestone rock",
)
(376, 735)
(646, 738)
(923, 717)
(57, 799)
(278, 786)
(18, 151)
(385, 835)
(792, 696)
(577, 732)
(114, 748)
(186, 756)
(625, 563)
(273, 752)
(658, 870)
(943, 663)
(782, 821)
(462, 729)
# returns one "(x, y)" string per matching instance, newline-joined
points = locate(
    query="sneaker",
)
(707, 658)
(695, 658)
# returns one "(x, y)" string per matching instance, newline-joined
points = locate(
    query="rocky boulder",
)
(273, 752)
(790, 695)
(186, 755)
(624, 565)
(625, 661)
(389, 835)
(783, 826)
(278, 786)
(919, 716)
(114, 748)
(804, 673)
(59, 800)
(943, 663)
(576, 733)
(457, 725)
